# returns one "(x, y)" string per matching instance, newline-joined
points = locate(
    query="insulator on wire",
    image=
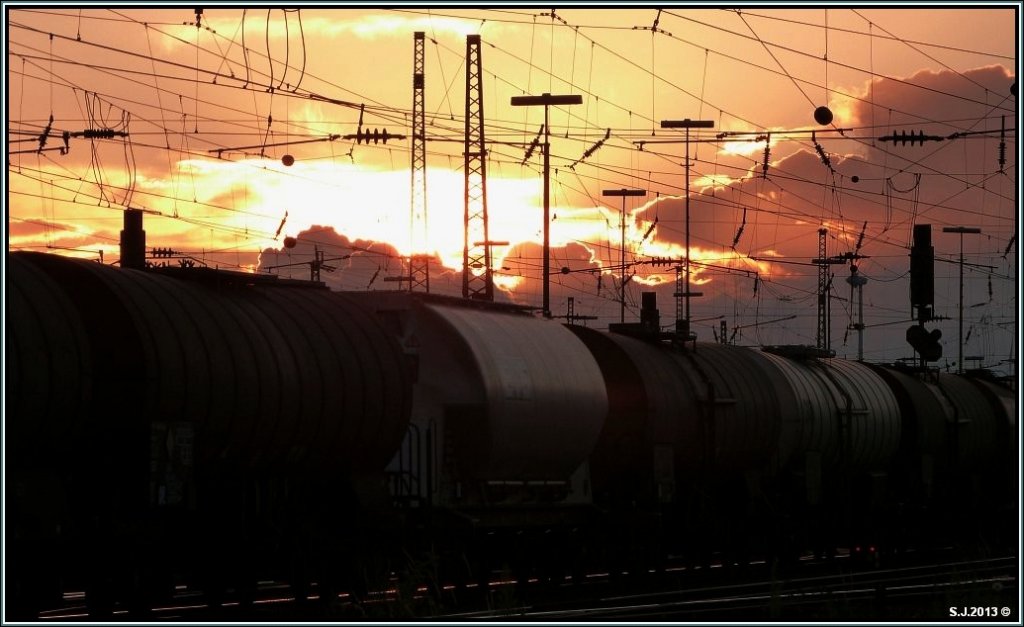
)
(821, 153)
(533, 145)
(739, 232)
(45, 134)
(164, 252)
(1002, 145)
(914, 138)
(280, 227)
(650, 229)
(98, 133)
(377, 136)
(767, 154)
(592, 149)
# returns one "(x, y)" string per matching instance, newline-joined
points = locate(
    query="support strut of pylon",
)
(477, 279)
(418, 263)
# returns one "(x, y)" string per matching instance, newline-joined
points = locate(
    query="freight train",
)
(217, 428)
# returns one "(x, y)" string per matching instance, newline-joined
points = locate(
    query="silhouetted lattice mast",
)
(419, 263)
(477, 280)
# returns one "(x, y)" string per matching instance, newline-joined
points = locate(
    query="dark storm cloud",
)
(350, 265)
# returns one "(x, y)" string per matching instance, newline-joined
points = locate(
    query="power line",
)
(839, 64)
(601, 168)
(870, 35)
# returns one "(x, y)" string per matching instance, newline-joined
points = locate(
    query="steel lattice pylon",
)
(822, 334)
(681, 325)
(419, 273)
(477, 281)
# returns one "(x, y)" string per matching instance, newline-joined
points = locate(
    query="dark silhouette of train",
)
(213, 427)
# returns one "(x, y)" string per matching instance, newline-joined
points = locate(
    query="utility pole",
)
(687, 124)
(419, 264)
(318, 263)
(622, 246)
(960, 337)
(547, 100)
(570, 313)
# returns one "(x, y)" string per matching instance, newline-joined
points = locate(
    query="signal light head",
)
(925, 342)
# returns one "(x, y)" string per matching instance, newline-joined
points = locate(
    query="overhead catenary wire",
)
(782, 180)
(806, 54)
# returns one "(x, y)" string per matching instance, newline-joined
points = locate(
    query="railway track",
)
(987, 588)
(923, 587)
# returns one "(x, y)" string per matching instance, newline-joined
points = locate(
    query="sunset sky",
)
(197, 120)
